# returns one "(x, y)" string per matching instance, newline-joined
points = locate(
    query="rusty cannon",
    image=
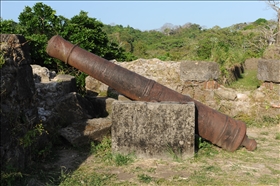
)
(211, 125)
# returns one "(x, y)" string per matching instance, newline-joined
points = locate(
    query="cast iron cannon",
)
(211, 125)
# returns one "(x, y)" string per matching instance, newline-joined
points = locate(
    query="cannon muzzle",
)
(211, 125)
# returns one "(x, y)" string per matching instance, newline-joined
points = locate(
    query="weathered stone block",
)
(123, 98)
(226, 94)
(153, 130)
(84, 131)
(199, 71)
(269, 70)
(74, 107)
(50, 91)
(93, 85)
(68, 82)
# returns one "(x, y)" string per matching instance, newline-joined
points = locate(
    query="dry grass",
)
(210, 166)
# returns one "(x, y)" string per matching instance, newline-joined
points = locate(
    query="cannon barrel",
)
(211, 125)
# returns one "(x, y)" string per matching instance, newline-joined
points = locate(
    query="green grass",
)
(80, 178)
(7, 178)
(267, 180)
(277, 137)
(175, 154)
(104, 153)
(264, 133)
(120, 159)
(249, 81)
(2, 60)
(258, 121)
(145, 178)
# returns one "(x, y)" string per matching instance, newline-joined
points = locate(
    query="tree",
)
(38, 24)
(275, 5)
(87, 32)
(8, 26)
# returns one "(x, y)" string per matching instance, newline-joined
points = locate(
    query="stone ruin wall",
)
(202, 84)
(33, 96)
(42, 96)
(18, 100)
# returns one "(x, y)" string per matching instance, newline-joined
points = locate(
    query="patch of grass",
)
(206, 149)
(82, 178)
(268, 180)
(7, 178)
(137, 169)
(262, 139)
(176, 154)
(121, 160)
(264, 133)
(103, 151)
(272, 120)
(2, 60)
(273, 171)
(258, 121)
(145, 178)
(152, 170)
(200, 178)
(212, 169)
(277, 136)
(248, 81)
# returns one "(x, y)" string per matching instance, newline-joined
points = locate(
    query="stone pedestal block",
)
(199, 71)
(153, 130)
(269, 70)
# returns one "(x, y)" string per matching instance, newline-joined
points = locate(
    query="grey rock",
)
(94, 86)
(67, 83)
(49, 93)
(153, 129)
(97, 128)
(41, 74)
(199, 71)
(84, 131)
(242, 96)
(73, 107)
(258, 95)
(227, 94)
(269, 70)
(71, 135)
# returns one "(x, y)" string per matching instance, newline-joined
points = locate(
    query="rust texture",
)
(211, 125)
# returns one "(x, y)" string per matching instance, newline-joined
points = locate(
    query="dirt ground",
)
(210, 166)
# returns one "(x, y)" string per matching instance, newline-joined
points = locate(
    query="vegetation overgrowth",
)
(227, 46)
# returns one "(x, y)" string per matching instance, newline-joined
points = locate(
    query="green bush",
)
(40, 22)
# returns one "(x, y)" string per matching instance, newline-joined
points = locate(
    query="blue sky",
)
(148, 15)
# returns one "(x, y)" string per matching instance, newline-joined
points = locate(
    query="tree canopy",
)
(227, 46)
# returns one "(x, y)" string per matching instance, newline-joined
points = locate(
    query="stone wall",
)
(18, 101)
(212, 93)
(36, 103)
(174, 75)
